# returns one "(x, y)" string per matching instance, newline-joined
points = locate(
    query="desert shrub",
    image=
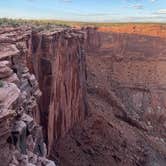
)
(1, 83)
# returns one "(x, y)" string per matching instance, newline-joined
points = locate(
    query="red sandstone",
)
(103, 95)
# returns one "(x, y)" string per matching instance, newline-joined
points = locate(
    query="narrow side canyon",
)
(83, 96)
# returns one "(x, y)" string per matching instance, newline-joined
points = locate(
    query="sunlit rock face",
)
(137, 57)
(155, 30)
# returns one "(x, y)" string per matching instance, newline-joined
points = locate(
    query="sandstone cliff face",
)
(59, 64)
(155, 30)
(136, 72)
(93, 39)
(126, 100)
(57, 59)
(21, 139)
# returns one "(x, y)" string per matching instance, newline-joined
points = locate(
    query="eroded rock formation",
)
(126, 98)
(59, 64)
(21, 139)
(54, 59)
(103, 96)
(136, 72)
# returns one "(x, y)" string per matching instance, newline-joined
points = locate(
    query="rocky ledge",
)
(21, 138)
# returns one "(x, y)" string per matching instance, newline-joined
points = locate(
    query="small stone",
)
(12, 79)
(32, 157)
(164, 124)
(5, 72)
(14, 160)
(30, 164)
(24, 159)
(9, 93)
(11, 164)
(46, 162)
(30, 143)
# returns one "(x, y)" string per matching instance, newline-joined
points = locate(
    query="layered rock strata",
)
(126, 100)
(59, 64)
(55, 59)
(21, 139)
(136, 72)
(126, 96)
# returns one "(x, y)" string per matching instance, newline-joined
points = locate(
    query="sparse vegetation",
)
(1, 83)
(17, 22)
(49, 23)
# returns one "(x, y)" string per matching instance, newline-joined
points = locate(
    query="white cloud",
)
(137, 6)
(161, 11)
(148, 18)
(67, 1)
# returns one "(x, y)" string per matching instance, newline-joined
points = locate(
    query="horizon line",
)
(77, 21)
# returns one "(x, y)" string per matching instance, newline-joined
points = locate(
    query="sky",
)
(86, 10)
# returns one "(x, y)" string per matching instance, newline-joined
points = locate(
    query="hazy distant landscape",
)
(17, 22)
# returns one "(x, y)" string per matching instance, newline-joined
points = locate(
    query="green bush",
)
(1, 84)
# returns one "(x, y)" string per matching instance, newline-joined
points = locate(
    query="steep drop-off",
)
(102, 101)
(21, 138)
(57, 59)
(59, 64)
(126, 98)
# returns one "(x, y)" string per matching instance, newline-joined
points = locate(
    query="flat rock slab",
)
(5, 72)
(8, 50)
(9, 93)
(5, 114)
(18, 127)
(12, 79)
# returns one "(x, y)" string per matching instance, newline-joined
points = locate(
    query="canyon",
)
(83, 96)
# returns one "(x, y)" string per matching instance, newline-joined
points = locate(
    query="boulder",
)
(46, 162)
(5, 71)
(9, 93)
(19, 134)
(8, 50)
(12, 79)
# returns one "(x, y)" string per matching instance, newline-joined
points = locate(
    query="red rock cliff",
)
(59, 65)
(21, 138)
(126, 98)
(57, 58)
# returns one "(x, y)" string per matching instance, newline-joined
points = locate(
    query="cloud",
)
(137, 6)
(100, 14)
(147, 18)
(67, 1)
(161, 11)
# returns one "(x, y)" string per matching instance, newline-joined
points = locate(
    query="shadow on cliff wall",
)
(126, 60)
(126, 99)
